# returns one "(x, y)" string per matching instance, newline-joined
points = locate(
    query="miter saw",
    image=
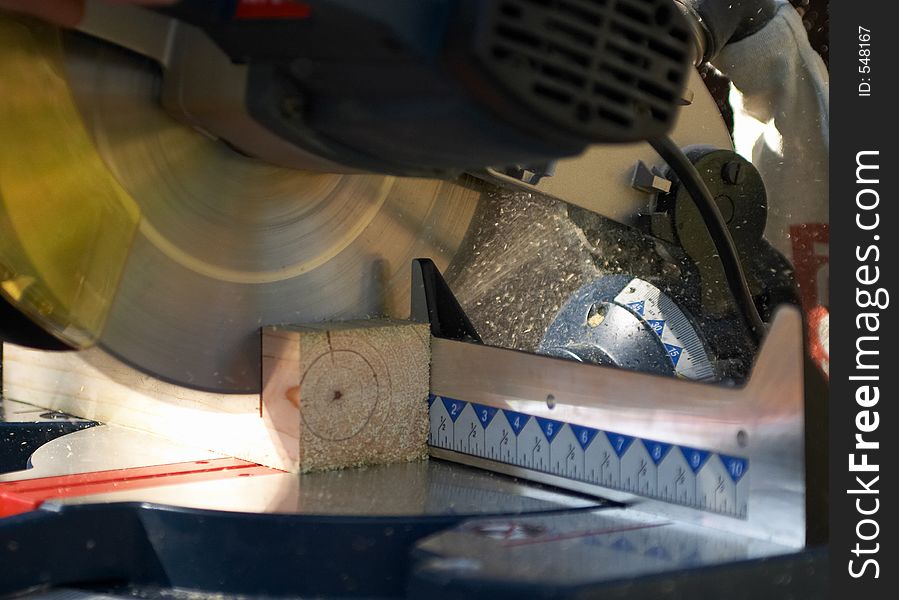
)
(173, 179)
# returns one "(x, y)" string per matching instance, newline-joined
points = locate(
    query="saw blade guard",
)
(67, 222)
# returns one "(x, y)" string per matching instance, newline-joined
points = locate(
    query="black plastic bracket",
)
(433, 302)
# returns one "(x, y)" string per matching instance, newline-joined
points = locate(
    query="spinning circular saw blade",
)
(170, 249)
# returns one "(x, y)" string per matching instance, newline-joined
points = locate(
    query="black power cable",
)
(717, 227)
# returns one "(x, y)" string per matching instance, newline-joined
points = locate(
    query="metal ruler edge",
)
(719, 481)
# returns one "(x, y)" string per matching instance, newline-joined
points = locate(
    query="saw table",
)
(559, 505)
(133, 515)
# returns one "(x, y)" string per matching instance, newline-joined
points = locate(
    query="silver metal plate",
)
(406, 489)
(728, 458)
(104, 448)
(423, 488)
(580, 548)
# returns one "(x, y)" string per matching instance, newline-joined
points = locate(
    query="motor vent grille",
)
(610, 70)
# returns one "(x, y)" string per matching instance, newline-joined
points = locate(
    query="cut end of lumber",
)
(358, 390)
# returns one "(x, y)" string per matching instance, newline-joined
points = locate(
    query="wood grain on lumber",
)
(357, 391)
(334, 395)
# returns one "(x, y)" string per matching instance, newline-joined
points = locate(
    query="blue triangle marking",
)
(657, 450)
(623, 544)
(431, 398)
(517, 421)
(453, 407)
(485, 413)
(583, 434)
(658, 552)
(620, 443)
(735, 467)
(694, 558)
(658, 325)
(695, 458)
(549, 428)
(637, 307)
(674, 352)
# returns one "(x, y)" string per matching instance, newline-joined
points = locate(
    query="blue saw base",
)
(146, 550)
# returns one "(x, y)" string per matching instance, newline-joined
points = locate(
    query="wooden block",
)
(352, 393)
(334, 395)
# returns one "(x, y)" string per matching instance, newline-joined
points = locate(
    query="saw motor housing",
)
(427, 88)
